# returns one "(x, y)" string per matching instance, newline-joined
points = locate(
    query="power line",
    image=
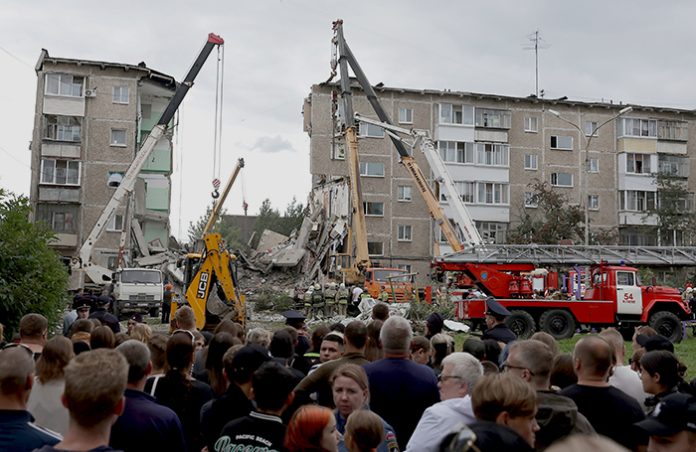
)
(14, 158)
(19, 60)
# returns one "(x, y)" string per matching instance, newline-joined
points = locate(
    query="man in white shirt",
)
(623, 377)
(460, 372)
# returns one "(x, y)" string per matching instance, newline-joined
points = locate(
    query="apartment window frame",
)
(372, 169)
(493, 154)
(589, 128)
(531, 124)
(373, 208)
(116, 223)
(404, 233)
(531, 162)
(637, 163)
(637, 128)
(375, 249)
(61, 218)
(493, 193)
(338, 152)
(456, 114)
(531, 200)
(62, 128)
(117, 94)
(555, 182)
(672, 130)
(593, 165)
(404, 193)
(55, 172)
(368, 130)
(116, 143)
(637, 200)
(557, 145)
(492, 118)
(64, 85)
(466, 191)
(405, 115)
(592, 202)
(461, 152)
(408, 268)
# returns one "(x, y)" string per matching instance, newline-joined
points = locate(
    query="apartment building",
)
(90, 119)
(495, 147)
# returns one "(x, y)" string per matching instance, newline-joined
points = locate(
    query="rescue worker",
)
(307, 298)
(330, 299)
(342, 296)
(495, 321)
(442, 296)
(318, 302)
(383, 295)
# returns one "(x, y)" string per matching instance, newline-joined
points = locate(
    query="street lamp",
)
(623, 111)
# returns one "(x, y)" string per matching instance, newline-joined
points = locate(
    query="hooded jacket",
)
(438, 421)
(558, 417)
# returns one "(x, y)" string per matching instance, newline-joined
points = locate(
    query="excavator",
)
(210, 281)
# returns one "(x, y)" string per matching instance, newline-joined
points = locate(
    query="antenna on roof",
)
(537, 43)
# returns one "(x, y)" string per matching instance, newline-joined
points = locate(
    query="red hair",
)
(305, 429)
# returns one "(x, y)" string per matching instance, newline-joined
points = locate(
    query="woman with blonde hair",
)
(45, 399)
(141, 332)
(351, 393)
(312, 429)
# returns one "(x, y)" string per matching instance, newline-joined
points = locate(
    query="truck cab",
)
(137, 290)
(397, 282)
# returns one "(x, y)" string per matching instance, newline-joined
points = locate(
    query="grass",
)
(685, 350)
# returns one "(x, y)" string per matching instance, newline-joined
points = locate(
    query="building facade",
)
(495, 147)
(89, 122)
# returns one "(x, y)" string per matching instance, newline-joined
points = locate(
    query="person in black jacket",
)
(105, 317)
(495, 321)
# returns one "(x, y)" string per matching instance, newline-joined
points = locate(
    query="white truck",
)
(137, 290)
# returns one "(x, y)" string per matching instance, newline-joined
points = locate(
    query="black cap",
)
(675, 413)
(652, 343)
(137, 317)
(249, 358)
(102, 300)
(292, 315)
(82, 304)
(496, 309)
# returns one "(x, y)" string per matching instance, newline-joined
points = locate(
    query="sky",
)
(637, 52)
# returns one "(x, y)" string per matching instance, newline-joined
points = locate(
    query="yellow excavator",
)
(210, 282)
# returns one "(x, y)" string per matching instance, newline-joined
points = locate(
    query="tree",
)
(672, 210)
(553, 221)
(228, 231)
(32, 277)
(270, 218)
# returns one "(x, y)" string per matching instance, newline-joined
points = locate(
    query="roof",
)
(381, 88)
(156, 76)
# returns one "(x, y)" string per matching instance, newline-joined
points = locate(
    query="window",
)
(673, 165)
(60, 172)
(593, 165)
(406, 115)
(625, 279)
(405, 267)
(61, 218)
(372, 169)
(638, 163)
(492, 154)
(375, 248)
(456, 114)
(375, 209)
(62, 128)
(561, 142)
(531, 124)
(64, 85)
(491, 231)
(370, 130)
(531, 200)
(637, 201)
(466, 190)
(404, 233)
(593, 202)
(118, 137)
(492, 193)
(115, 223)
(673, 130)
(633, 127)
(338, 152)
(590, 128)
(531, 161)
(404, 193)
(456, 151)
(495, 119)
(561, 179)
(120, 95)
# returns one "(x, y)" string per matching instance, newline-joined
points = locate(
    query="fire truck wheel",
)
(667, 324)
(521, 323)
(558, 323)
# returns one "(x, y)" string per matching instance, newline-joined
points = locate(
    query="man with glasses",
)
(557, 416)
(460, 373)
(17, 430)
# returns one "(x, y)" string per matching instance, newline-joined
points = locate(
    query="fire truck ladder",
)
(655, 256)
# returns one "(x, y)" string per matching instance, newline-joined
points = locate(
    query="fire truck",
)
(554, 301)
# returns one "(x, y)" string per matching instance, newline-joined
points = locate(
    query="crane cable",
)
(217, 138)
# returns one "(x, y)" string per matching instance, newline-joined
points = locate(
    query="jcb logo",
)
(628, 298)
(202, 285)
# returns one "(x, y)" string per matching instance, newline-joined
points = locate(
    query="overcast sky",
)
(631, 51)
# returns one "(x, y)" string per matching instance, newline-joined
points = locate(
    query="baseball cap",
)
(674, 413)
(651, 343)
(249, 358)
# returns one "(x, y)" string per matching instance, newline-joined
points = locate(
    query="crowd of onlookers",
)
(346, 387)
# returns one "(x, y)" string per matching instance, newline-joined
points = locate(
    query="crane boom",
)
(84, 262)
(214, 215)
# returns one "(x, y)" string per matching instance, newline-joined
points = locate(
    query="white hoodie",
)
(438, 421)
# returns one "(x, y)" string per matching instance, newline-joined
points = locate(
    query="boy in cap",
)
(672, 425)
(495, 321)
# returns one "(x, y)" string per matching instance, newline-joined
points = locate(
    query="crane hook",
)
(216, 185)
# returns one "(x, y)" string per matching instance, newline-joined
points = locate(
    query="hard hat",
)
(317, 286)
(343, 286)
